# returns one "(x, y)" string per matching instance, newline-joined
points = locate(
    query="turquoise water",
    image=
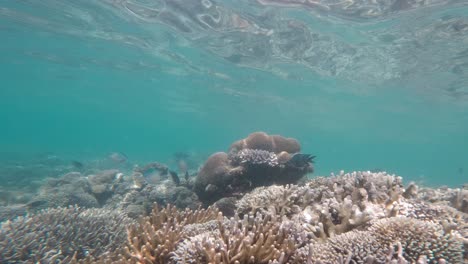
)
(81, 79)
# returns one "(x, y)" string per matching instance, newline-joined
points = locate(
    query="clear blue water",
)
(370, 85)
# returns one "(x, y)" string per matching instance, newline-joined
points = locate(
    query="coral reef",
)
(60, 235)
(416, 241)
(162, 169)
(137, 200)
(258, 160)
(111, 189)
(357, 217)
(103, 184)
(256, 239)
(75, 189)
(71, 189)
(456, 198)
(171, 236)
(329, 206)
(156, 236)
(324, 208)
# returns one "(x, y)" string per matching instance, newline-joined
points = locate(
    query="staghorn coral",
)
(415, 240)
(178, 237)
(59, 235)
(259, 239)
(156, 236)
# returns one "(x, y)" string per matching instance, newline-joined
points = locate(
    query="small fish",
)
(77, 164)
(300, 160)
(118, 157)
(175, 177)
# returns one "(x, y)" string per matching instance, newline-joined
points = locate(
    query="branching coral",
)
(259, 239)
(329, 206)
(419, 238)
(255, 157)
(58, 235)
(273, 200)
(450, 218)
(156, 236)
(414, 240)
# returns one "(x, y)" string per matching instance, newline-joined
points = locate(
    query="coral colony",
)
(250, 204)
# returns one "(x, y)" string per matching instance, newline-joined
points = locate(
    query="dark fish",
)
(300, 160)
(175, 177)
(77, 164)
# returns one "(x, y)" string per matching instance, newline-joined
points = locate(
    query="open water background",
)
(364, 85)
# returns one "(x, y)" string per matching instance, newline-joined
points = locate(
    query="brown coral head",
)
(215, 161)
(263, 141)
(213, 172)
(289, 145)
(259, 140)
(218, 163)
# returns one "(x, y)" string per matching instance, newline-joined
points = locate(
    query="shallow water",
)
(364, 85)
